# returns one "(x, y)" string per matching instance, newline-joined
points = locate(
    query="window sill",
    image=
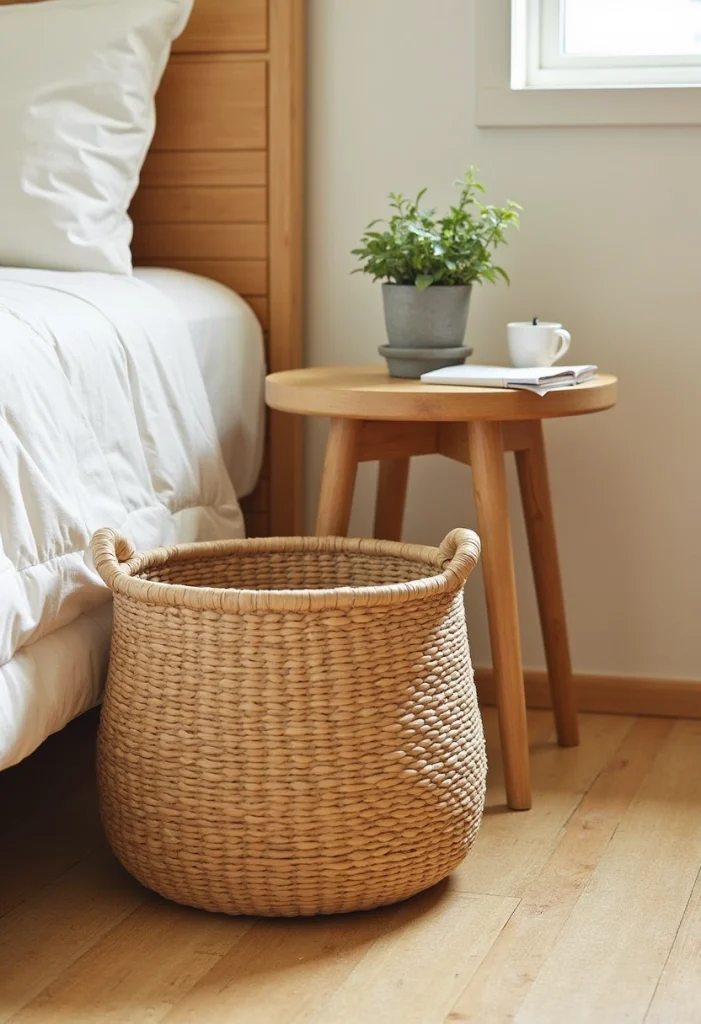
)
(500, 106)
(503, 107)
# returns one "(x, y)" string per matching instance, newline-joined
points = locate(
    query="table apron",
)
(397, 439)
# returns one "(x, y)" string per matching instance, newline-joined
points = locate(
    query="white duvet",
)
(104, 420)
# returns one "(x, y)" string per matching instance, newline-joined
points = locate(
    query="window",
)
(565, 62)
(629, 28)
(572, 44)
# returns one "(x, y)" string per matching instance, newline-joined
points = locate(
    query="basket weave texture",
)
(290, 725)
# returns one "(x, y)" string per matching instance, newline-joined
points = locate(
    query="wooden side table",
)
(375, 417)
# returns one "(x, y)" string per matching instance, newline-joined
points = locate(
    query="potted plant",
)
(428, 265)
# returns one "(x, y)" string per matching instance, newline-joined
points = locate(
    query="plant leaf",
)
(418, 246)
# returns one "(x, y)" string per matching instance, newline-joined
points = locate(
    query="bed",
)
(215, 299)
(229, 346)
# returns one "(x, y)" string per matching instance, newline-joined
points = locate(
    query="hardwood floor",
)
(586, 908)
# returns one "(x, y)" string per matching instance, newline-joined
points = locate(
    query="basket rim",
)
(120, 565)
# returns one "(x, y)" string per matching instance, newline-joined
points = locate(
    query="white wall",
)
(610, 244)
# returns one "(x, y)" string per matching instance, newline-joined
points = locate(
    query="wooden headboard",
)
(222, 191)
(222, 194)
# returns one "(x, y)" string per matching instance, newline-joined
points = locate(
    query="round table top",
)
(369, 393)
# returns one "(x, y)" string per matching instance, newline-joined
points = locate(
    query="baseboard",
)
(617, 695)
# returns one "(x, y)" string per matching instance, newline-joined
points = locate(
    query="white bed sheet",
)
(228, 342)
(104, 420)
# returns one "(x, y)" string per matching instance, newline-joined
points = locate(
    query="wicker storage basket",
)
(290, 726)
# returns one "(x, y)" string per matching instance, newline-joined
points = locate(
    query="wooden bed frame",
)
(222, 195)
(222, 192)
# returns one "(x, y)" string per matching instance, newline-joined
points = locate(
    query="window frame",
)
(547, 67)
(502, 55)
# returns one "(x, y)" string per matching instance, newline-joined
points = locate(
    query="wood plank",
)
(453, 439)
(229, 57)
(492, 505)
(367, 392)
(257, 523)
(499, 988)
(677, 994)
(141, 969)
(282, 970)
(637, 894)
(46, 934)
(211, 105)
(392, 484)
(516, 436)
(615, 695)
(212, 28)
(157, 242)
(286, 194)
(257, 500)
(259, 305)
(320, 969)
(198, 168)
(606, 923)
(414, 972)
(338, 479)
(200, 204)
(534, 485)
(512, 849)
(390, 439)
(247, 277)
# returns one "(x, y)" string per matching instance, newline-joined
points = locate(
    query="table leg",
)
(391, 498)
(537, 509)
(489, 477)
(338, 478)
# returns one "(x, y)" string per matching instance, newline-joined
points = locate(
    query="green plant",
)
(419, 248)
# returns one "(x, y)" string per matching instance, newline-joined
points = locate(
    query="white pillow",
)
(77, 115)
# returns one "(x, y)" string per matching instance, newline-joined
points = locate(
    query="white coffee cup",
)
(537, 344)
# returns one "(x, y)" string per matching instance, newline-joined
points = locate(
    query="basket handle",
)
(460, 552)
(110, 550)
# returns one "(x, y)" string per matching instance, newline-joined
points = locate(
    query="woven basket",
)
(290, 726)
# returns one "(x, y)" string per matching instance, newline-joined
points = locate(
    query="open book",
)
(538, 379)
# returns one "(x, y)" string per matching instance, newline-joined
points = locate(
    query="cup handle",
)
(565, 341)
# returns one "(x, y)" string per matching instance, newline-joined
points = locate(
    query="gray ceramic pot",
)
(412, 362)
(433, 318)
